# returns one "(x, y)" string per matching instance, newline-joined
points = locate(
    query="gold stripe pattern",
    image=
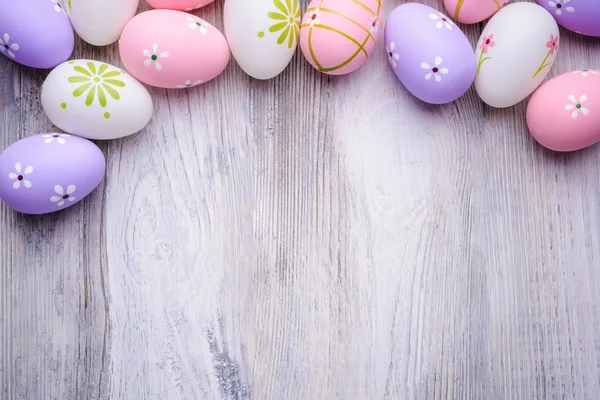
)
(361, 47)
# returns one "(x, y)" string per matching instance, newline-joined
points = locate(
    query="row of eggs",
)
(335, 36)
(429, 54)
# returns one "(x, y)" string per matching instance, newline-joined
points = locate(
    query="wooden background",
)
(310, 238)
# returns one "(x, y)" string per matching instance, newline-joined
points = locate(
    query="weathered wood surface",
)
(309, 237)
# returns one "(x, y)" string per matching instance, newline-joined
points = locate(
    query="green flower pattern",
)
(287, 21)
(95, 79)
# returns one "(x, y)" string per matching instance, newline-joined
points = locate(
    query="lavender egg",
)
(580, 16)
(49, 172)
(429, 54)
(35, 33)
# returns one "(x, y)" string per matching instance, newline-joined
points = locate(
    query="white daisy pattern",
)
(559, 6)
(196, 23)
(193, 8)
(441, 21)
(577, 106)
(58, 6)
(585, 72)
(374, 24)
(60, 138)
(392, 57)
(19, 176)
(314, 18)
(153, 57)
(189, 83)
(63, 195)
(436, 71)
(7, 47)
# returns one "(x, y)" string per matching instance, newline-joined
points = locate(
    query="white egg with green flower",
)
(95, 100)
(262, 34)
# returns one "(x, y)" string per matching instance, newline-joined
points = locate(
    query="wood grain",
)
(308, 237)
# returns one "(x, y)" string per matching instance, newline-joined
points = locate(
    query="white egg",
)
(100, 22)
(262, 34)
(95, 100)
(515, 53)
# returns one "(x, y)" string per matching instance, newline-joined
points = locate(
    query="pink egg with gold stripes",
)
(338, 36)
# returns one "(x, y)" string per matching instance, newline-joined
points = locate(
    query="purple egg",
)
(35, 33)
(49, 172)
(430, 55)
(581, 16)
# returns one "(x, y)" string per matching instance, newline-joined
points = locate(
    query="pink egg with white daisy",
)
(172, 49)
(564, 113)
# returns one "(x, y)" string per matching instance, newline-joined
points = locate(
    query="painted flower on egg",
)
(6, 46)
(435, 70)
(585, 72)
(154, 56)
(287, 21)
(577, 106)
(59, 137)
(441, 21)
(19, 176)
(559, 6)
(96, 80)
(63, 195)
(392, 57)
(486, 44)
(195, 23)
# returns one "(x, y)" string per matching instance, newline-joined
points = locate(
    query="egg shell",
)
(564, 113)
(262, 35)
(515, 53)
(172, 49)
(49, 172)
(429, 54)
(338, 36)
(581, 16)
(100, 22)
(181, 5)
(473, 11)
(35, 33)
(95, 100)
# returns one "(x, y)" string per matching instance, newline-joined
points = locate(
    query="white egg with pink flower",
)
(515, 53)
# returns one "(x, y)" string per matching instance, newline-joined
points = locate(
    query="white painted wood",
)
(309, 237)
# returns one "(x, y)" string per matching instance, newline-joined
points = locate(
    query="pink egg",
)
(172, 49)
(337, 36)
(564, 113)
(473, 11)
(182, 5)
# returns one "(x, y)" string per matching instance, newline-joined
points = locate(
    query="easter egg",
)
(564, 113)
(473, 11)
(35, 33)
(514, 55)
(581, 16)
(49, 172)
(181, 5)
(100, 22)
(429, 54)
(338, 36)
(262, 35)
(95, 100)
(172, 49)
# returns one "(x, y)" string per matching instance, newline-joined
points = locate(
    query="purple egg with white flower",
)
(429, 54)
(580, 16)
(49, 172)
(35, 33)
